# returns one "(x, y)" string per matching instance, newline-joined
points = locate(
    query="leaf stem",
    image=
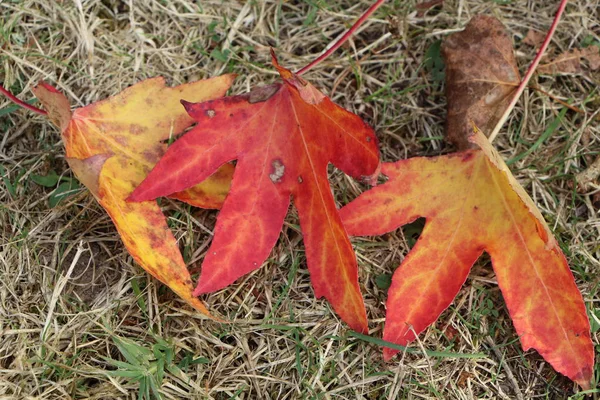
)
(21, 103)
(343, 39)
(530, 71)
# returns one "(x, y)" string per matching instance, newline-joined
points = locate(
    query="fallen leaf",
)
(481, 76)
(534, 38)
(111, 145)
(592, 55)
(283, 137)
(569, 62)
(587, 178)
(471, 206)
(463, 378)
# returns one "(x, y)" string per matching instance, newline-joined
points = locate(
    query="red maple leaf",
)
(473, 204)
(283, 136)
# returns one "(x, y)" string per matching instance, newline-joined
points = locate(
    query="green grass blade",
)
(430, 353)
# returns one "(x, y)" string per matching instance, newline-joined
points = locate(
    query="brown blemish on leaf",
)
(152, 155)
(263, 93)
(481, 75)
(467, 156)
(122, 140)
(277, 171)
(136, 129)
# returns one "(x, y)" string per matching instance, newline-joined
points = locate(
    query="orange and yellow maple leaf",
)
(472, 204)
(283, 136)
(111, 145)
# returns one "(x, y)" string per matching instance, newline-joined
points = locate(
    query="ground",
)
(68, 288)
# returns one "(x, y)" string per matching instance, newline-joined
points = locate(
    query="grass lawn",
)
(74, 306)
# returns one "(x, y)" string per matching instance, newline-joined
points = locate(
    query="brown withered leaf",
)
(534, 38)
(569, 62)
(481, 76)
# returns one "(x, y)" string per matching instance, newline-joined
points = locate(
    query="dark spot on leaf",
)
(263, 93)
(300, 180)
(467, 156)
(122, 140)
(151, 155)
(136, 129)
(368, 138)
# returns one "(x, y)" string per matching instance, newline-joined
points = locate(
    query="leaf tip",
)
(584, 383)
(188, 105)
(138, 196)
(56, 104)
(585, 377)
(363, 327)
(283, 72)
(48, 87)
(371, 180)
(388, 354)
(207, 286)
(273, 57)
(132, 198)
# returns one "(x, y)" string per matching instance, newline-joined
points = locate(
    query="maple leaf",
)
(111, 145)
(481, 76)
(283, 136)
(473, 204)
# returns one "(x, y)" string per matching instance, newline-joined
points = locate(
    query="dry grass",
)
(67, 286)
